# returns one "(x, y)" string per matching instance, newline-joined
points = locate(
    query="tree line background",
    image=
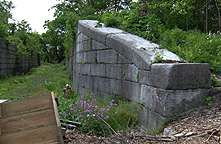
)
(189, 28)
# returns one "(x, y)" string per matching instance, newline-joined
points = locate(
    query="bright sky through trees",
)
(35, 12)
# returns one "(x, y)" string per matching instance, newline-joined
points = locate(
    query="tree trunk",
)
(144, 8)
(218, 14)
(207, 16)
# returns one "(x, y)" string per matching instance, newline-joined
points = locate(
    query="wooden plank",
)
(56, 98)
(60, 136)
(27, 121)
(0, 119)
(0, 110)
(40, 135)
(18, 107)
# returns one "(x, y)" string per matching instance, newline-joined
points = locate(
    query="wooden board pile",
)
(30, 120)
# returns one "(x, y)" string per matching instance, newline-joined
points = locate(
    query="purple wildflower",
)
(115, 104)
(108, 110)
(115, 112)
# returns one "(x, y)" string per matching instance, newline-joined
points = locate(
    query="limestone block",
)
(181, 75)
(84, 69)
(99, 34)
(85, 82)
(81, 37)
(98, 46)
(101, 84)
(149, 120)
(142, 58)
(98, 70)
(75, 80)
(80, 57)
(122, 59)
(122, 44)
(171, 102)
(131, 91)
(83, 91)
(145, 77)
(107, 56)
(114, 71)
(215, 94)
(90, 57)
(131, 72)
(79, 47)
(116, 87)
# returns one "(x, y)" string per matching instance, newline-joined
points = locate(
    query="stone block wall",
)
(11, 63)
(108, 61)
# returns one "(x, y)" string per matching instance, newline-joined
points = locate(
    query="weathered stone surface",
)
(122, 59)
(99, 34)
(114, 71)
(107, 56)
(181, 75)
(85, 82)
(130, 72)
(124, 66)
(131, 91)
(116, 87)
(149, 120)
(98, 46)
(101, 84)
(171, 102)
(98, 70)
(215, 94)
(90, 56)
(81, 37)
(118, 43)
(80, 57)
(144, 77)
(169, 131)
(83, 69)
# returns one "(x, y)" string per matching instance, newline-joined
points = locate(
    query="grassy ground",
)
(38, 81)
(48, 78)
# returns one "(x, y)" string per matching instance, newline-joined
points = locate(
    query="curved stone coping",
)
(134, 48)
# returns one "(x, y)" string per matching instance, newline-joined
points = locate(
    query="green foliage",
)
(158, 55)
(95, 59)
(194, 46)
(215, 83)
(130, 20)
(208, 101)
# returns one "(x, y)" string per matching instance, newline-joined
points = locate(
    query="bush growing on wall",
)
(194, 46)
